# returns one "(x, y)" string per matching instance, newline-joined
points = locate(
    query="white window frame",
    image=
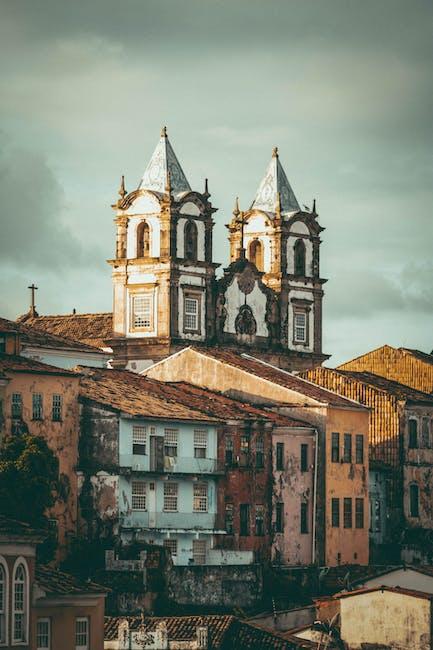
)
(297, 328)
(199, 554)
(171, 497)
(191, 313)
(200, 442)
(16, 406)
(37, 406)
(78, 620)
(171, 439)
(20, 561)
(139, 496)
(139, 437)
(143, 319)
(48, 635)
(4, 606)
(200, 497)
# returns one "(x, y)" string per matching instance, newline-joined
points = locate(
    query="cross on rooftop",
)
(33, 288)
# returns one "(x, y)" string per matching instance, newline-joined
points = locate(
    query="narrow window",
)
(139, 439)
(304, 458)
(260, 452)
(359, 451)
(304, 517)
(56, 408)
(170, 442)
(200, 443)
(143, 240)
(37, 406)
(43, 634)
(142, 311)
(190, 235)
(359, 513)
(170, 497)
(335, 513)
(17, 406)
(191, 313)
(347, 452)
(280, 456)
(139, 490)
(414, 500)
(244, 459)
(260, 520)
(279, 517)
(299, 254)
(229, 513)
(82, 633)
(171, 545)
(300, 326)
(20, 605)
(413, 434)
(335, 447)
(425, 433)
(244, 515)
(347, 513)
(200, 497)
(229, 450)
(3, 602)
(199, 551)
(256, 253)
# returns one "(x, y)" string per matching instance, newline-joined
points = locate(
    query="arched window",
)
(413, 434)
(3, 600)
(20, 603)
(190, 237)
(299, 250)
(413, 500)
(256, 253)
(143, 239)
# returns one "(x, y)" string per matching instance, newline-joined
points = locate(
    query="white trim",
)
(5, 567)
(81, 619)
(23, 561)
(44, 619)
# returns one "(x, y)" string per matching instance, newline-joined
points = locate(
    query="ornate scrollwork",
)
(245, 322)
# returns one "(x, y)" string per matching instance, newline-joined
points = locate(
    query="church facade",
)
(166, 294)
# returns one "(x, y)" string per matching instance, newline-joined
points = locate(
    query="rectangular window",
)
(359, 513)
(304, 458)
(300, 327)
(347, 451)
(414, 500)
(200, 497)
(229, 515)
(279, 517)
(347, 513)
(171, 545)
(191, 312)
(142, 311)
(199, 551)
(139, 439)
(43, 636)
(335, 513)
(359, 450)
(82, 633)
(244, 459)
(244, 515)
(56, 408)
(139, 490)
(37, 406)
(260, 452)
(425, 432)
(229, 450)
(260, 521)
(413, 434)
(279, 461)
(17, 406)
(200, 443)
(304, 517)
(170, 442)
(170, 497)
(335, 447)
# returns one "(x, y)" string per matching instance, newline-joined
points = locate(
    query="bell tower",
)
(163, 271)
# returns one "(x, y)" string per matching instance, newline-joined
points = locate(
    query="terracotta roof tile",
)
(13, 363)
(401, 391)
(58, 583)
(91, 329)
(422, 356)
(15, 528)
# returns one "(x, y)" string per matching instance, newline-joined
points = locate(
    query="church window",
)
(300, 327)
(190, 238)
(299, 251)
(142, 311)
(191, 313)
(20, 600)
(143, 240)
(256, 254)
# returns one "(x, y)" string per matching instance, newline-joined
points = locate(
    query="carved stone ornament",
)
(246, 281)
(245, 322)
(220, 312)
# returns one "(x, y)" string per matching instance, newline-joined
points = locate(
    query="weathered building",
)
(404, 365)
(341, 516)
(401, 457)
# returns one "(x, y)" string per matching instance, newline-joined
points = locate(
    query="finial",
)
(236, 210)
(122, 191)
(275, 152)
(206, 188)
(168, 183)
(164, 132)
(314, 207)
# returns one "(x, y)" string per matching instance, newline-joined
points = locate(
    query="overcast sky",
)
(343, 87)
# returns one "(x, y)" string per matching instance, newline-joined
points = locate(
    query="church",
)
(166, 291)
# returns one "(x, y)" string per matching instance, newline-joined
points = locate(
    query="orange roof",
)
(91, 329)
(13, 363)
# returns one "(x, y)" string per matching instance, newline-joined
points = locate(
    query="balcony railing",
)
(170, 520)
(172, 465)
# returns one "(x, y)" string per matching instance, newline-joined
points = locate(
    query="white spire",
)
(275, 182)
(162, 162)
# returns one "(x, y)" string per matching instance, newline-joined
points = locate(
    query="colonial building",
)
(165, 291)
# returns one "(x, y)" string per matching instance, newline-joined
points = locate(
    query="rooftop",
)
(13, 363)
(275, 187)
(90, 329)
(398, 590)
(58, 583)
(20, 529)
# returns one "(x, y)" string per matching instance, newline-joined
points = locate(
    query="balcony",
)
(169, 520)
(171, 465)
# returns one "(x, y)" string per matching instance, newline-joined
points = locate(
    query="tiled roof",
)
(398, 590)
(277, 376)
(91, 329)
(401, 391)
(55, 582)
(13, 363)
(244, 635)
(422, 356)
(130, 393)
(41, 338)
(12, 527)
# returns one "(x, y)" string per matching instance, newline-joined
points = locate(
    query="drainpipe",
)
(316, 455)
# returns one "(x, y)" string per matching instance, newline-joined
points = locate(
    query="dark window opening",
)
(304, 458)
(190, 235)
(414, 500)
(335, 513)
(260, 452)
(299, 251)
(280, 456)
(304, 518)
(229, 450)
(143, 240)
(335, 448)
(256, 254)
(244, 455)
(359, 450)
(413, 434)
(279, 517)
(347, 513)
(260, 521)
(347, 451)
(229, 518)
(359, 513)
(244, 516)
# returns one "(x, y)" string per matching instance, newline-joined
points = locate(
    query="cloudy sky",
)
(343, 87)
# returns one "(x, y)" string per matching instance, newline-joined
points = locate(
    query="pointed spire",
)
(122, 190)
(163, 162)
(206, 192)
(314, 207)
(273, 183)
